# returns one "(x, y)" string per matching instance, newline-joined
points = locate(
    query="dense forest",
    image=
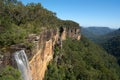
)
(17, 21)
(82, 60)
(77, 60)
(96, 33)
(109, 40)
(9, 73)
(112, 46)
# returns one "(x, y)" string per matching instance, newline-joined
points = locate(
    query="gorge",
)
(37, 45)
(42, 53)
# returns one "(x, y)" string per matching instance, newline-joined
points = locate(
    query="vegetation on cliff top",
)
(78, 60)
(17, 21)
(82, 60)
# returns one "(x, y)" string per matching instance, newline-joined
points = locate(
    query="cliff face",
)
(43, 53)
(43, 49)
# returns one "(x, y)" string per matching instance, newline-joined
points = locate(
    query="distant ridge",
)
(93, 33)
(99, 30)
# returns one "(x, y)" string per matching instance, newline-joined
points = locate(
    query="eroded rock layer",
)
(43, 49)
(43, 53)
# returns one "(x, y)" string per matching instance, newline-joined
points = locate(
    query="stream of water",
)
(23, 65)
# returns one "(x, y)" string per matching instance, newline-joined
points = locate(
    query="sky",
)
(102, 13)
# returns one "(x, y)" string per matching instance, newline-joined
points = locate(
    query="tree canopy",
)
(82, 60)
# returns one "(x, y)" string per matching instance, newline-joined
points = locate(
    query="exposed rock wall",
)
(43, 49)
(43, 53)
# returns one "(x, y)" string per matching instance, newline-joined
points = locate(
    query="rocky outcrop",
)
(43, 53)
(43, 49)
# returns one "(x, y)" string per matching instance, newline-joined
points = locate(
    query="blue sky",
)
(104, 13)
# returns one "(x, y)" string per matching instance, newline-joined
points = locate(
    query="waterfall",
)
(23, 65)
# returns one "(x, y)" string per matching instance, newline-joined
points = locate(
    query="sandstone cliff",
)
(43, 49)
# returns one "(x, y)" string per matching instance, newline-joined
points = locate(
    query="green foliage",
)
(98, 30)
(18, 20)
(83, 60)
(110, 41)
(112, 46)
(12, 35)
(96, 34)
(9, 73)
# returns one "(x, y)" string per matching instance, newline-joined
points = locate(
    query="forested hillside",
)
(111, 34)
(77, 60)
(82, 60)
(99, 30)
(112, 44)
(18, 21)
(9, 73)
(110, 41)
(89, 34)
(95, 33)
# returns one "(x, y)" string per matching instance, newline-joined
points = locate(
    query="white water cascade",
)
(23, 65)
